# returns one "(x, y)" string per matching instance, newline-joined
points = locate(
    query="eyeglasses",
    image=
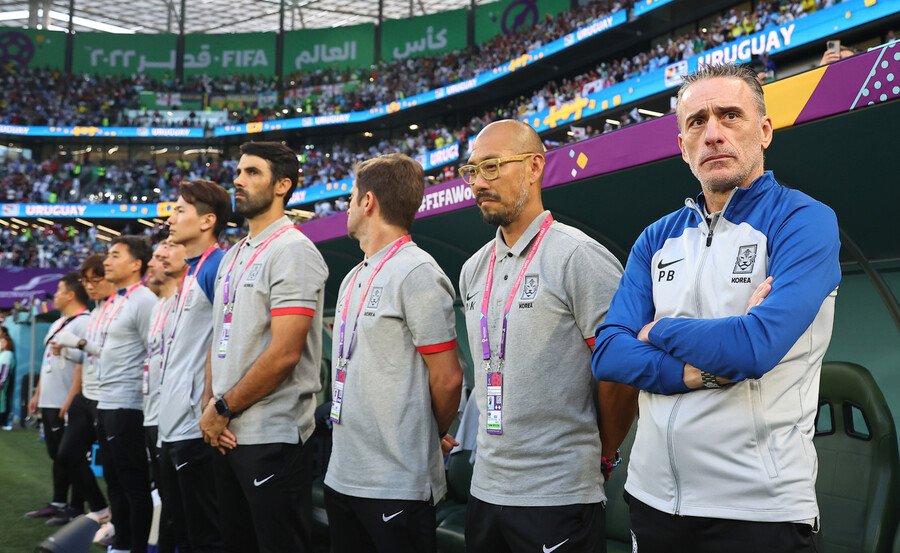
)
(489, 168)
(92, 281)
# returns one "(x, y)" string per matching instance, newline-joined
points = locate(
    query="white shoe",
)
(106, 531)
(102, 516)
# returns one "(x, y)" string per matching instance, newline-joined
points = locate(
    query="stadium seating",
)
(859, 472)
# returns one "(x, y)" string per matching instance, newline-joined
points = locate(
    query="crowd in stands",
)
(45, 97)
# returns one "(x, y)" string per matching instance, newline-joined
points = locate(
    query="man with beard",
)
(533, 297)
(263, 368)
(722, 320)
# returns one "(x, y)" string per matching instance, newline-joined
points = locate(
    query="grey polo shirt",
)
(408, 311)
(90, 383)
(121, 362)
(189, 334)
(549, 452)
(57, 372)
(154, 360)
(287, 278)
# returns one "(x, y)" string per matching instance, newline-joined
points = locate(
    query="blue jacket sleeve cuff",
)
(671, 376)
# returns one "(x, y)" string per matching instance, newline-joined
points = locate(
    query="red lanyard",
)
(229, 298)
(342, 360)
(485, 301)
(104, 325)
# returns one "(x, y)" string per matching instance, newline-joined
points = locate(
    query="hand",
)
(214, 427)
(644, 334)
(65, 408)
(830, 56)
(33, 405)
(447, 443)
(55, 347)
(759, 294)
(692, 377)
(66, 339)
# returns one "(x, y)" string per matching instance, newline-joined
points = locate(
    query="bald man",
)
(533, 297)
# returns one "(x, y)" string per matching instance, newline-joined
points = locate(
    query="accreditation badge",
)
(337, 395)
(494, 411)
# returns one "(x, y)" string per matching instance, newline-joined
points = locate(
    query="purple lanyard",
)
(342, 360)
(228, 300)
(485, 301)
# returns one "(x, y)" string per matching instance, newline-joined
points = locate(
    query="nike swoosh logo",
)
(179, 467)
(55, 428)
(386, 518)
(664, 265)
(263, 481)
(555, 547)
(110, 438)
(469, 298)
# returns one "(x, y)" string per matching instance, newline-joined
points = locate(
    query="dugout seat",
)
(856, 441)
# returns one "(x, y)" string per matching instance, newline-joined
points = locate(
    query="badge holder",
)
(494, 413)
(337, 395)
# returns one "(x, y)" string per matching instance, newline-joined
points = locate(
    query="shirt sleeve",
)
(618, 355)
(297, 274)
(143, 309)
(207, 277)
(591, 277)
(428, 309)
(805, 268)
(78, 327)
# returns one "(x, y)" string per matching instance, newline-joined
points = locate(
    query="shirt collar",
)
(379, 255)
(269, 231)
(524, 241)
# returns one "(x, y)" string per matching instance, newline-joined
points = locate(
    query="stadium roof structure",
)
(213, 16)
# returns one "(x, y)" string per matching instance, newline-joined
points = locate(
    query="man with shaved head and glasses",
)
(533, 297)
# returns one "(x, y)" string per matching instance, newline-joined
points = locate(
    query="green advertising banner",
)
(423, 36)
(231, 54)
(120, 54)
(32, 48)
(320, 48)
(510, 16)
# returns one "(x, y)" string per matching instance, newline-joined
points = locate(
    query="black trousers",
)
(76, 443)
(187, 486)
(361, 525)
(121, 437)
(562, 529)
(265, 498)
(165, 542)
(658, 532)
(54, 429)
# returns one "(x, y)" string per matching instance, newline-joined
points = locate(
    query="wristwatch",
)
(709, 380)
(222, 408)
(81, 344)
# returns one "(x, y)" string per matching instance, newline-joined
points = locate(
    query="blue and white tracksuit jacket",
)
(742, 452)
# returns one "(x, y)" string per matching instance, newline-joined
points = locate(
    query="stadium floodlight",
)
(18, 221)
(413, 127)
(614, 122)
(4, 223)
(109, 230)
(649, 113)
(45, 221)
(102, 237)
(83, 222)
(146, 222)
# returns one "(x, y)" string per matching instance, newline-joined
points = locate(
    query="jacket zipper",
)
(671, 446)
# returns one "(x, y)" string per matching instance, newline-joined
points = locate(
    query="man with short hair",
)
(722, 319)
(163, 282)
(533, 297)
(52, 393)
(121, 344)
(263, 370)
(200, 214)
(397, 378)
(81, 411)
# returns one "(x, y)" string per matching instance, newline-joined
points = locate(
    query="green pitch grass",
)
(25, 485)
